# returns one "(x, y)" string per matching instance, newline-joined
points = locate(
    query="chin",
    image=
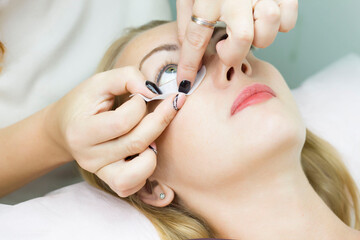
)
(268, 128)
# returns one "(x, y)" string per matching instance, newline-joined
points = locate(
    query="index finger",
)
(183, 12)
(238, 16)
(195, 42)
(119, 81)
(140, 137)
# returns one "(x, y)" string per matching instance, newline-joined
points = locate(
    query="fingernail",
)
(179, 101)
(152, 87)
(184, 86)
(152, 146)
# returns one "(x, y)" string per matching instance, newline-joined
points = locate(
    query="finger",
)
(133, 190)
(112, 124)
(289, 14)
(266, 23)
(183, 12)
(127, 177)
(238, 16)
(137, 140)
(196, 40)
(119, 81)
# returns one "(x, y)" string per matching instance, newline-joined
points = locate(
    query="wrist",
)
(52, 131)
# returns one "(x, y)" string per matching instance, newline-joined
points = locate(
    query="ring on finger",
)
(203, 22)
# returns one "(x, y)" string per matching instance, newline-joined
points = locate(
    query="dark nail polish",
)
(152, 87)
(153, 149)
(175, 102)
(184, 86)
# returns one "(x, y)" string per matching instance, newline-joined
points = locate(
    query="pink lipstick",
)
(252, 94)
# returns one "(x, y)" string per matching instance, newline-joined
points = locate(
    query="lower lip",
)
(256, 98)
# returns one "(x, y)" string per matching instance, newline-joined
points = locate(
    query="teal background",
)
(325, 32)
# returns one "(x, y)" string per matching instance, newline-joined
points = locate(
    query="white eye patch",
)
(170, 87)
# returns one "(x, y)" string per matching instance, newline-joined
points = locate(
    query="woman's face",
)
(205, 148)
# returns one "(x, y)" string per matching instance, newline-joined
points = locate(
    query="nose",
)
(243, 68)
(224, 75)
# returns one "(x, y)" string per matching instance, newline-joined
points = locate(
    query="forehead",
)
(142, 44)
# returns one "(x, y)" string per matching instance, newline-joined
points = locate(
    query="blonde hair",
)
(320, 161)
(2, 52)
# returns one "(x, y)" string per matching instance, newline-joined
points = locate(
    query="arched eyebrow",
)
(165, 47)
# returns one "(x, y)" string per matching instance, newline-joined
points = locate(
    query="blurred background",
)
(325, 32)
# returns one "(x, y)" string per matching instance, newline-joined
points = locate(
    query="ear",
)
(150, 193)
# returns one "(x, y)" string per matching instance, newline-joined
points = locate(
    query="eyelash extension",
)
(161, 70)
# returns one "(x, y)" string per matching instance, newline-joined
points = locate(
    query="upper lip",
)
(249, 91)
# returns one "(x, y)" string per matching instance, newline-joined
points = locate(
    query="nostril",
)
(243, 68)
(230, 73)
(223, 37)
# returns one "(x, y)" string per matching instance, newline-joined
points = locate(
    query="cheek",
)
(188, 142)
(202, 147)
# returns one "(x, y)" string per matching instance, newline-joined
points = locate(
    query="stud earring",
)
(162, 196)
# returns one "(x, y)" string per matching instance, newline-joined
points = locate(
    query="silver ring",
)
(203, 22)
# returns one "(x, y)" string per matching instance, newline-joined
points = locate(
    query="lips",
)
(252, 94)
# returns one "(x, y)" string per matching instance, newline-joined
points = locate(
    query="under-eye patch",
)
(169, 86)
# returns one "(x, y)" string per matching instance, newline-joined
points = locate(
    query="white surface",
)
(52, 46)
(78, 211)
(82, 212)
(330, 104)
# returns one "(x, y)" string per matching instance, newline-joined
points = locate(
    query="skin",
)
(246, 167)
(255, 22)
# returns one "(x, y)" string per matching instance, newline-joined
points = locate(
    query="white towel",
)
(78, 211)
(52, 46)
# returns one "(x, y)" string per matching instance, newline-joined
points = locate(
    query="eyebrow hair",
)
(165, 47)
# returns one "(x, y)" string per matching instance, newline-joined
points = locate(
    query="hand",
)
(248, 22)
(100, 140)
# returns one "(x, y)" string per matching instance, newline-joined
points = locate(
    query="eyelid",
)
(161, 70)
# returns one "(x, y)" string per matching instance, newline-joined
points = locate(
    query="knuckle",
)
(120, 128)
(271, 12)
(244, 35)
(131, 70)
(87, 164)
(189, 67)
(120, 186)
(181, 36)
(135, 146)
(123, 194)
(294, 3)
(165, 119)
(196, 39)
